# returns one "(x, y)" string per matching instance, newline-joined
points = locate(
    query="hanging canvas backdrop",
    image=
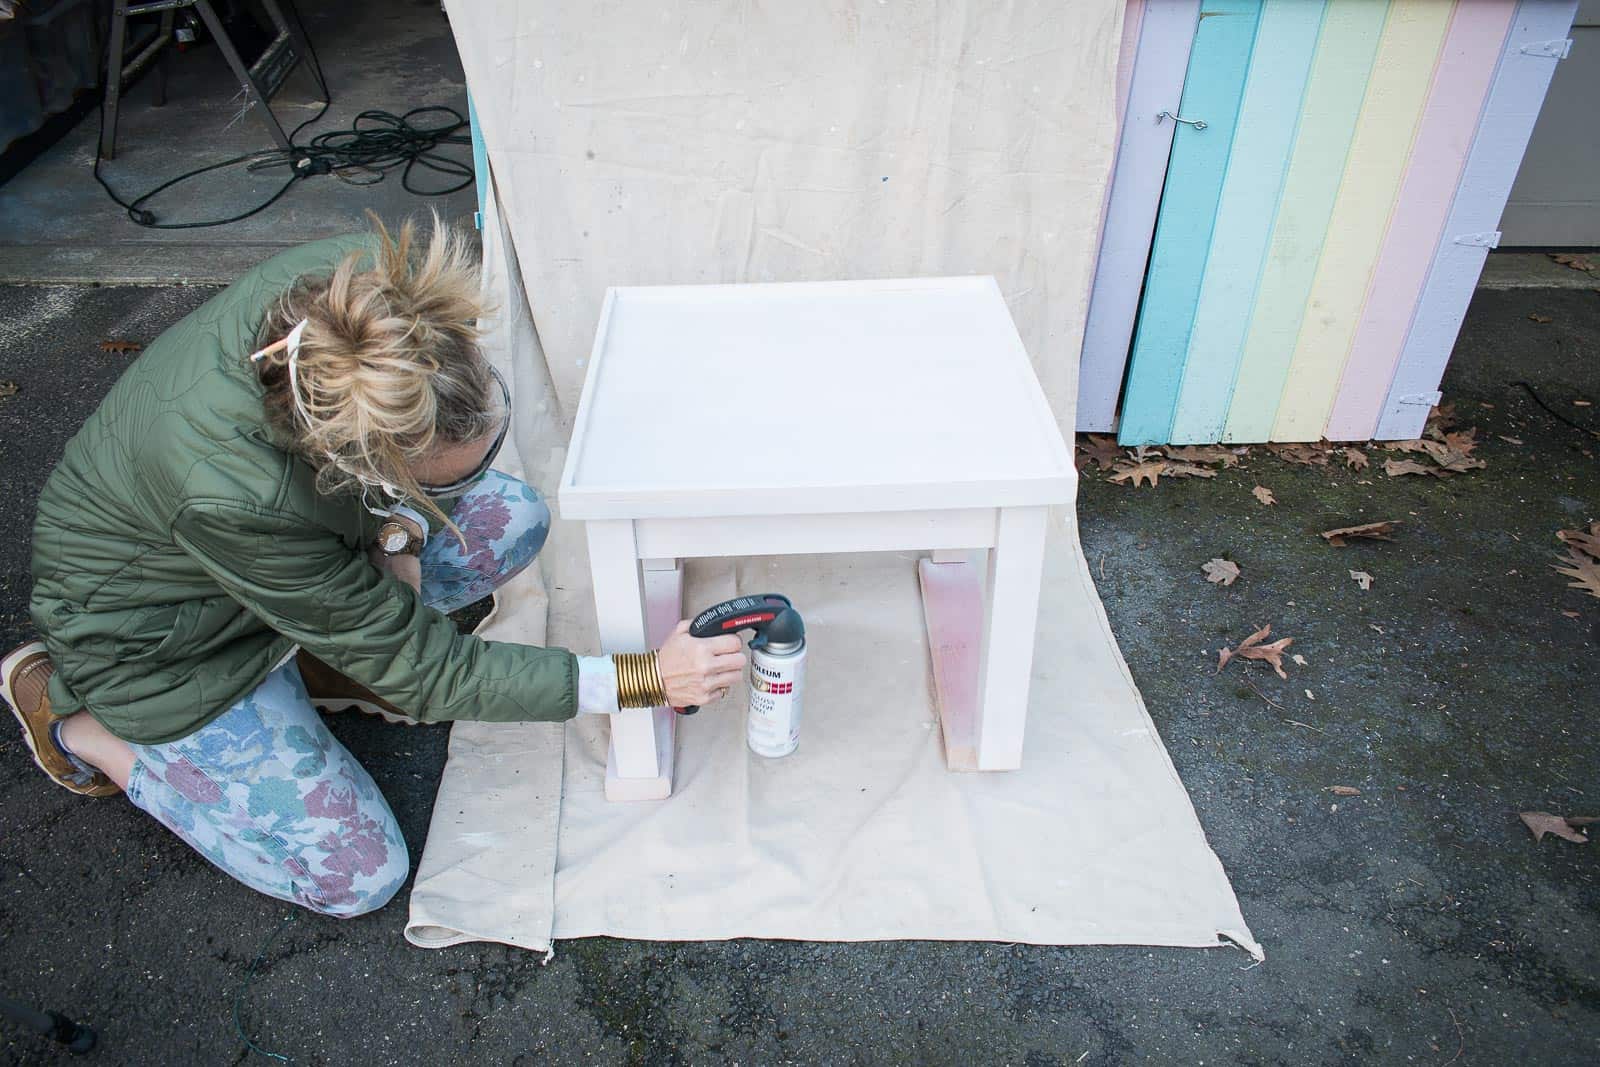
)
(743, 142)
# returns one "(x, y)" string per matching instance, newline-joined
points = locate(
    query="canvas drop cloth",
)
(729, 142)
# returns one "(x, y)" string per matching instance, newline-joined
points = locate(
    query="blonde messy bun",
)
(388, 364)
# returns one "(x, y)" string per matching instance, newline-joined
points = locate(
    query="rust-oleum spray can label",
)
(777, 674)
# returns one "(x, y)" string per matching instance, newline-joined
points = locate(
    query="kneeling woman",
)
(302, 463)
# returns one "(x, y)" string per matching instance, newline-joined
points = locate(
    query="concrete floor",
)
(1415, 923)
(57, 224)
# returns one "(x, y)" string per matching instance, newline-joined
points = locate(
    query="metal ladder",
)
(260, 80)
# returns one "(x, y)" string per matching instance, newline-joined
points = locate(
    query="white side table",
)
(731, 420)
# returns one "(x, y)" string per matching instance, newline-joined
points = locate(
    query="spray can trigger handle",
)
(767, 614)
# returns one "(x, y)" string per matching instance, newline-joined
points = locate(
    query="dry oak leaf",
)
(1263, 494)
(1362, 578)
(1440, 418)
(9, 388)
(1567, 259)
(120, 347)
(1377, 531)
(1404, 446)
(1584, 571)
(1251, 648)
(1542, 320)
(1148, 471)
(1355, 459)
(1343, 790)
(1452, 459)
(1463, 441)
(1202, 454)
(1220, 571)
(1565, 827)
(1587, 543)
(1188, 470)
(1303, 453)
(1101, 448)
(1394, 468)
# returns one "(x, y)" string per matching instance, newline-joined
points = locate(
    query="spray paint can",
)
(777, 666)
(777, 676)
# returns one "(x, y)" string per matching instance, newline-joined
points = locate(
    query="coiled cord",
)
(375, 143)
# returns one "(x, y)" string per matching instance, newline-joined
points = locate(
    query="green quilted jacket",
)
(179, 553)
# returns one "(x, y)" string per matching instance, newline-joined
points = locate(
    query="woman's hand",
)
(405, 567)
(699, 670)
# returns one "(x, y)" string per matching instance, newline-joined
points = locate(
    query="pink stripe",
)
(1455, 101)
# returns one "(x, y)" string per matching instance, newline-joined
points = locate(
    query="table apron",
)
(776, 535)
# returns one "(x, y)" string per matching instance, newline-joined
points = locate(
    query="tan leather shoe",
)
(24, 680)
(331, 691)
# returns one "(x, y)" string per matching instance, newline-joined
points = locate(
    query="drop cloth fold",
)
(735, 141)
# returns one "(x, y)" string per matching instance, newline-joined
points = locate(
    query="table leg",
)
(639, 765)
(1011, 618)
(952, 607)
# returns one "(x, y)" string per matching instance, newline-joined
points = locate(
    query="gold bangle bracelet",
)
(638, 680)
(655, 678)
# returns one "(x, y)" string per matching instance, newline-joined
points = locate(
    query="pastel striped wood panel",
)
(1345, 51)
(1460, 85)
(1212, 92)
(1165, 34)
(1515, 97)
(1397, 91)
(1279, 66)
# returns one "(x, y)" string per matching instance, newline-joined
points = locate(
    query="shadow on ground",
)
(1417, 922)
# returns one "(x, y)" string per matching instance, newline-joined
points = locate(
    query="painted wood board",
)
(1455, 101)
(1526, 67)
(1166, 31)
(1132, 17)
(1212, 92)
(1286, 41)
(1345, 51)
(1397, 91)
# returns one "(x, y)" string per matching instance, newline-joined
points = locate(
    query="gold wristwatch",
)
(397, 538)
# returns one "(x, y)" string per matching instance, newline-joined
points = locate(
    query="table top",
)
(811, 397)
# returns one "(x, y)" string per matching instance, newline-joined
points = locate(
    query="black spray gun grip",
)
(765, 614)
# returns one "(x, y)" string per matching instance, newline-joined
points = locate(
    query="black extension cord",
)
(376, 143)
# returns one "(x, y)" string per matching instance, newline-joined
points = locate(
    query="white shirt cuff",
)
(597, 685)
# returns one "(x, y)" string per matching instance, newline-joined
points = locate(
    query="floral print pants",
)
(265, 792)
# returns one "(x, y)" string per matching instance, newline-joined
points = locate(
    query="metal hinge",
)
(1420, 399)
(1198, 124)
(1558, 49)
(1490, 239)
